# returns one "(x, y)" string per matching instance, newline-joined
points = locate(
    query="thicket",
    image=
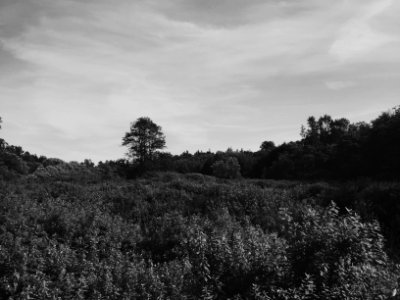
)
(174, 236)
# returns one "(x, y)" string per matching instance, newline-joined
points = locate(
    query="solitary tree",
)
(267, 146)
(144, 139)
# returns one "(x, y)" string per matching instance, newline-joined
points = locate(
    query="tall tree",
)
(144, 139)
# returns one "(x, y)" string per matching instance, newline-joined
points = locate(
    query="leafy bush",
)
(59, 170)
(340, 256)
(227, 168)
(171, 236)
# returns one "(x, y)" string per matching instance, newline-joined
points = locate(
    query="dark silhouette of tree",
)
(383, 144)
(339, 129)
(311, 134)
(227, 168)
(144, 139)
(267, 146)
(3, 143)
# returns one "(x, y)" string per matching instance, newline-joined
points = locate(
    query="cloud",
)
(339, 85)
(213, 74)
(357, 37)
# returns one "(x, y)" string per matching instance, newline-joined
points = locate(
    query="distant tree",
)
(88, 163)
(325, 130)
(359, 130)
(310, 134)
(144, 139)
(227, 168)
(229, 150)
(339, 128)
(383, 144)
(267, 146)
(2, 142)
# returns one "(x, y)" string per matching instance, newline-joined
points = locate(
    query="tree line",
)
(328, 149)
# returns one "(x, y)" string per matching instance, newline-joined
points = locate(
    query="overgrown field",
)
(171, 236)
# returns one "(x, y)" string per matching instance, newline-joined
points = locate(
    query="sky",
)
(213, 74)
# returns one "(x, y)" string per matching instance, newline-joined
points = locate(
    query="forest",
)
(317, 218)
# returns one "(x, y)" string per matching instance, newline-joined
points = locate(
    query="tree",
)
(267, 146)
(3, 143)
(226, 168)
(144, 139)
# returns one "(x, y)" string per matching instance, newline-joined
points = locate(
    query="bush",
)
(228, 168)
(187, 238)
(73, 171)
(339, 257)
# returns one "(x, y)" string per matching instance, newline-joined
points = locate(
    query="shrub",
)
(186, 238)
(340, 256)
(73, 171)
(228, 168)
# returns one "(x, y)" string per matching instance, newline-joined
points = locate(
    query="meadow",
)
(166, 235)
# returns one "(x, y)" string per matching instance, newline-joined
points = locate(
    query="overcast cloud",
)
(213, 74)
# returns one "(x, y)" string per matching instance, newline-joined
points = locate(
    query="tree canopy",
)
(143, 139)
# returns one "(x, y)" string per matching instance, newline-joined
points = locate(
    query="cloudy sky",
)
(214, 74)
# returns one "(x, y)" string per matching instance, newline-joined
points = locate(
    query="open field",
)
(173, 236)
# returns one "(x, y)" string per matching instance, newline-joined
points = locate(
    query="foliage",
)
(227, 168)
(329, 149)
(81, 231)
(143, 139)
(174, 236)
(73, 171)
(267, 146)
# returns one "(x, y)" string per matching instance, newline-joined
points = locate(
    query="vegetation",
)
(172, 236)
(208, 225)
(227, 168)
(143, 139)
(329, 149)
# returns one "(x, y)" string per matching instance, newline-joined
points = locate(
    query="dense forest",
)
(317, 218)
